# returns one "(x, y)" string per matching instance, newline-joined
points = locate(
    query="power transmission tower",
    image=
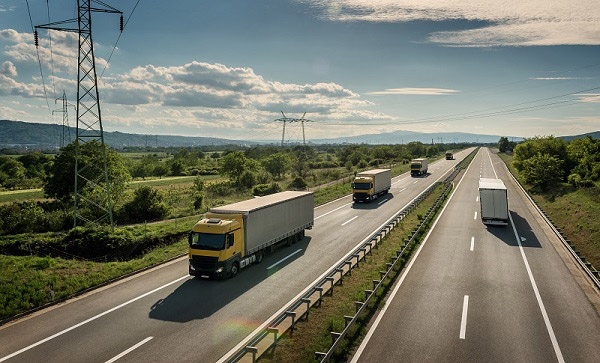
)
(66, 131)
(285, 119)
(91, 175)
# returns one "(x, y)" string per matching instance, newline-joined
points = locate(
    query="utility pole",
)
(91, 175)
(286, 119)
(66, 132)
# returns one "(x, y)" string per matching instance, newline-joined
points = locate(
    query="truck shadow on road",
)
(199, 298)
(506, 234)
(374, 204)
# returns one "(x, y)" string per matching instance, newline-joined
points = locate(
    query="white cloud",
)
(8, 69)
(507, 23)
(589, 97)
(415, 91)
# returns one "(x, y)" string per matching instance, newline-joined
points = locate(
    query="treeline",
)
(24, 171)
(544, 162)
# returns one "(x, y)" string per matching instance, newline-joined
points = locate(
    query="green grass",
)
(575, 210)
(21, 195)
(27, 282)
(314, 334)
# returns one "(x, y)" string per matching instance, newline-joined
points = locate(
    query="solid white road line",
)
(463, 320)
(494, 169)
(557, 351)
(472, 243)
(283, 259)
(91, 319)
(129, 350)
(331, 211)
(372, 329)
(349, 220)
(475, 216)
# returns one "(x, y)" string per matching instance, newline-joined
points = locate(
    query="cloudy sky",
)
(227, 68)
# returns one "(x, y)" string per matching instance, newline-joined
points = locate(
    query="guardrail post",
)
(347, 320)
(349, 263)
(320, 290)
(375, 283)
(307, 301)
(341, 271)
(293, 315)
(358, 304)
(275, 332)
(320, 356)
(331, 281)
(253, 351)
(368, 293)
(335, 336)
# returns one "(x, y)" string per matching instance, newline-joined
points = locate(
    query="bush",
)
(263, 177)
(147, 205)
(574, 179)
(247, 179)
(298, 184)
(198, 200)
(265, 189)
(221, 189)
(29, 217)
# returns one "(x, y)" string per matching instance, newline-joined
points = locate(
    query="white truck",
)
(369, 185)
(233, 236)
(494, 201)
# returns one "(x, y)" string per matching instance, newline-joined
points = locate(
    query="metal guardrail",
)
(299, 308)
(590, 270)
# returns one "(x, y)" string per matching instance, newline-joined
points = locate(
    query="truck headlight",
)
(219, 270)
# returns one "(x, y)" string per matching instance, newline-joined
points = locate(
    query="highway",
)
(477, 293)
(164, 315)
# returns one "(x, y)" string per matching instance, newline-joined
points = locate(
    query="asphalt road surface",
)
(164, 315)
(487, 294)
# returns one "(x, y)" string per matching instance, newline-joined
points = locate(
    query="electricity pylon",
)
(66, 131)
(285, 119)
(90, 191)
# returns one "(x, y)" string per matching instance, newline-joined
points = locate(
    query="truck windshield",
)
(362, 185)
(207, 241)
(415, 166)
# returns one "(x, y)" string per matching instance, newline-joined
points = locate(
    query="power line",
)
(51, 52)
(123, 26)
(38, 55)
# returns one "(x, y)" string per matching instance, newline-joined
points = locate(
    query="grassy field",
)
(575, 210)
(314, 335)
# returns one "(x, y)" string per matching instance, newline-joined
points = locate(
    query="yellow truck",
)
(418, 167)
(449, 156)
(369, 185)
(234, 236)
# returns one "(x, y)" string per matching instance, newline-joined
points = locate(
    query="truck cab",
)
(216, 245)
(449, 156)
(363, 188)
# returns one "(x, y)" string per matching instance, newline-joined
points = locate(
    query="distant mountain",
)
(594, 135)
(47, 136)
(398, 137)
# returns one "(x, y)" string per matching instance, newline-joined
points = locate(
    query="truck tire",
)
(259, 256)
(234, 270)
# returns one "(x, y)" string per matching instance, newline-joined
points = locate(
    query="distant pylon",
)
(285, 119)
(89, 118)
(65, 138)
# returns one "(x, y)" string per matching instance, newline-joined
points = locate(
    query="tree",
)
(177, 168)
(549, 145)
(233, 165)
(36, 164)
(276, 164)
(542, 171)
(60, 183)
(10, 169)
(503, 144)
(147, 205)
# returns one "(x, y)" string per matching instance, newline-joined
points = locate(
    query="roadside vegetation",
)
(42, 259)
(564, 178)
(313, 335)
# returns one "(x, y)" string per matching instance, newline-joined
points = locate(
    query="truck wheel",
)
(234, 270)
(259, 256)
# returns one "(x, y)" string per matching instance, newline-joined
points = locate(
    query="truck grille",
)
(361, 195)
(204, 262)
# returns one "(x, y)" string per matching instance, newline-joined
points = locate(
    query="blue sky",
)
(226, 68)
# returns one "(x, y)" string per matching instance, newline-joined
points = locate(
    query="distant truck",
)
(494, 201)
(418, 167)
(449, 156)
(369, 185)
(233, 236)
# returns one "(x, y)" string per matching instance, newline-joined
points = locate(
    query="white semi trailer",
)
(494, 201)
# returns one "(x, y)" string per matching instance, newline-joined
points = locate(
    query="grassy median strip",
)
(313, 335)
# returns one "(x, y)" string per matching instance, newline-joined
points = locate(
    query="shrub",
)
(247, 179)
(574, 179)
(297, 184)
(263, 177)
(147, 205)
(265, 189)
(198, 200)
(28, 217)
(221, 189)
